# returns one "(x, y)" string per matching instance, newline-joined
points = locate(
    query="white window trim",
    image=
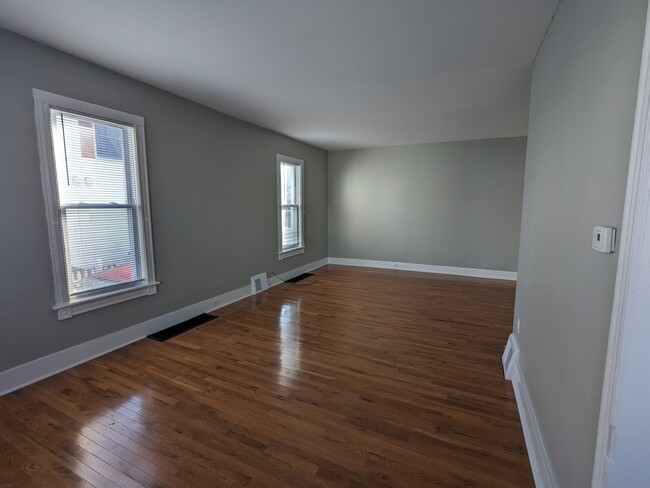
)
(65, 306)
(280, 158)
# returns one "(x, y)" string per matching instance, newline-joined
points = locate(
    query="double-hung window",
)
(290, 206)
(94, 176)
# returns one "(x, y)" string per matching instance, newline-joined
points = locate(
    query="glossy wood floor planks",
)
(351, 377)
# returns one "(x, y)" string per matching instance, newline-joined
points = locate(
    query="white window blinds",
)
(99, 202)
(94, 172)
(290, 188)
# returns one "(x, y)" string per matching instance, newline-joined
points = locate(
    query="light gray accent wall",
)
(582, 111)
(449, 204)
(213, 196)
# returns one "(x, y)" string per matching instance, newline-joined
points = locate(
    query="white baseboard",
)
(539, 461)
(428, 268)
(38, 369)
(275, 280)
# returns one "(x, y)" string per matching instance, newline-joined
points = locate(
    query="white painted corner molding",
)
(636, 222)
(427, 268)
(539, 461)
(38, 369)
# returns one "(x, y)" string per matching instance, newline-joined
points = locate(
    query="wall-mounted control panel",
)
(604, 239)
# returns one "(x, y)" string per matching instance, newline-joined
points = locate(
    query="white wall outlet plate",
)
(603, 239)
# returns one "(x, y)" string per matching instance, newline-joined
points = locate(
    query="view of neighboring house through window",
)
(98, 209)
(290, 197)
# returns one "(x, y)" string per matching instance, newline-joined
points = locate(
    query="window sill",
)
(291, 252)
(69, 310)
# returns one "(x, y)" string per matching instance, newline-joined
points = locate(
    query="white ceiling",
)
(335, 73)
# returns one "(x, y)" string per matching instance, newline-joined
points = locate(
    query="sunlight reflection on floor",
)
(289, 342)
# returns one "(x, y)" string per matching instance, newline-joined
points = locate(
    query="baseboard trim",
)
(427, 268)
(539, 461)
(38, 369)
(276, 280)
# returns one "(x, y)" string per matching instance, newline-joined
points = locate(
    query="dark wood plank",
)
(352, 377)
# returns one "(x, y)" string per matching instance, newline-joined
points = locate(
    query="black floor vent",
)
(178, 329)
(301, 277)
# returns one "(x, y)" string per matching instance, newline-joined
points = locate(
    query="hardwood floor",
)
(352, 377)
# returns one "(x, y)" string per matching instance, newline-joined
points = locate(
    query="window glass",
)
(98, 198)
(291, 207)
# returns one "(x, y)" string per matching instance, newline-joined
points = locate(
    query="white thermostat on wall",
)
(604, 239)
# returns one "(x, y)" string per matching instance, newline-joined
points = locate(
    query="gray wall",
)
(450, 204)
(213, 196)
(582, 110)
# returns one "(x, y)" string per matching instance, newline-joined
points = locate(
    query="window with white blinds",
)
(94, 178)
(290, 211)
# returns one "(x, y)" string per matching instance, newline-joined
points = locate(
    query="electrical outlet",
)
(518, 325)
(396, 265)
